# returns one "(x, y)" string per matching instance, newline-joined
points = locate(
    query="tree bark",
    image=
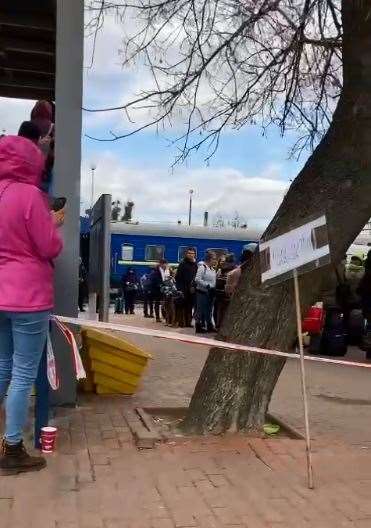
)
(234, 389)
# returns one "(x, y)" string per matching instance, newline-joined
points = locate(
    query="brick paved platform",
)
(98, 479)
(339, 397)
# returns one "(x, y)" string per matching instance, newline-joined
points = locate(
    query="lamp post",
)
(92, 167)
(190, 206)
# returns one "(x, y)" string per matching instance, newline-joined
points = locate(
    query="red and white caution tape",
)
(204, 341)
(51, 366)
(70, 338)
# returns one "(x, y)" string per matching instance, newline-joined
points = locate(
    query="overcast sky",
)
(248, 174)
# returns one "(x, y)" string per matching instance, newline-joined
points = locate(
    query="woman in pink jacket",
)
(29, 242)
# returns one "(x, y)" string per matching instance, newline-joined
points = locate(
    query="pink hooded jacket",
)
(29, 240)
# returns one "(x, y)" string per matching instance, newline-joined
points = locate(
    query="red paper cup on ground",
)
(48, 437)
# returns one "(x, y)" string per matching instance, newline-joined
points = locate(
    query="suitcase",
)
(334, 342)
(334, 338)
(356, 327)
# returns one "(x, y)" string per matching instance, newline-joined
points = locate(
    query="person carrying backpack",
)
(185, 277)
(157, 278)
(145, 284)
(170, 294)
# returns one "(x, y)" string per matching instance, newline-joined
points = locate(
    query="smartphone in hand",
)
(58, 203)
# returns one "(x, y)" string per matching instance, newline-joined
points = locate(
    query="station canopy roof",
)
(27, 48)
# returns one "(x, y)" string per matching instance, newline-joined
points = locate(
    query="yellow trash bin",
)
(114, 365)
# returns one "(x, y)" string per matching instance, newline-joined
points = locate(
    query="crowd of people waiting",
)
(193, 291)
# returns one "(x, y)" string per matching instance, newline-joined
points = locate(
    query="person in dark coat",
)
(130, 286)
(364, 291)
(145, 283)
(353, 275)
(246, 261)
(157, 278)
(222, 299)
(184, 278)
(83, 285)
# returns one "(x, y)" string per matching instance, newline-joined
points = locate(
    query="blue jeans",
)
(204, 309)
(22, 341)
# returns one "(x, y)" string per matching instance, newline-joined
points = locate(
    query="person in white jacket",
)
(205, 292)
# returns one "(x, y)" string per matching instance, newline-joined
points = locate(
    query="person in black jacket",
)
(184, 278)
(145, 284)
(130, 287)
(83, 285)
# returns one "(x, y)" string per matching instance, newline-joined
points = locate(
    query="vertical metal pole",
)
(206, 218)
(106, 259)
(66, 182)
(190, 207)
(303, 381)
(92, 187)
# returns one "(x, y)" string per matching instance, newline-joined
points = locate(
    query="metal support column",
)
(68, 99)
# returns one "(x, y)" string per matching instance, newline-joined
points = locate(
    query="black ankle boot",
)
(199, 329)
(15, 459)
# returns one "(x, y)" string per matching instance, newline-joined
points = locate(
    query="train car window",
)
(182, 250)
(127, 252)
(219, 252)
(154, 253)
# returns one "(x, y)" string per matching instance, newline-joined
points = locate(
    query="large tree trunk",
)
(234, 389)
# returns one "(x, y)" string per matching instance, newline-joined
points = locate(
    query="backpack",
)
(146, 282)
(131, 286)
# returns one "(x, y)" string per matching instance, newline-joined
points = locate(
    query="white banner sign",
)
(299, 247)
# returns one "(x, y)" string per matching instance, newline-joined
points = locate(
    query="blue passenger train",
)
(142, 245)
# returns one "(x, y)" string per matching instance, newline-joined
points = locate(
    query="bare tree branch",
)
(229, 63)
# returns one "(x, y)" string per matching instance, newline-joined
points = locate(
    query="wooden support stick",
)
(303, 382)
